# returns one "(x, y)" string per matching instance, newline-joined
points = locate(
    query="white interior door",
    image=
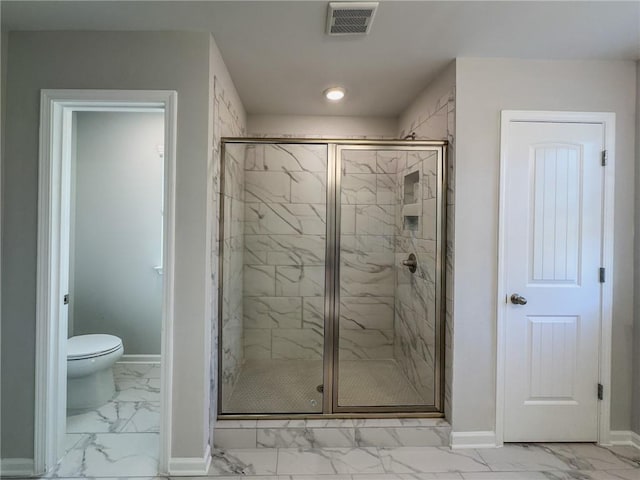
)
(553, 214)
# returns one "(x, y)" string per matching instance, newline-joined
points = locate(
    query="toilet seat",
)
(90, 346)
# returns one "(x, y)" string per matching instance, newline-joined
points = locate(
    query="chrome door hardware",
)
(411, 263)
(518, 299)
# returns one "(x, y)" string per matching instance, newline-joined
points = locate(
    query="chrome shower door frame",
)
(401, 145)
(335, 147)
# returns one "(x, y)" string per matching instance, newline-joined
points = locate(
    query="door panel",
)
(388, 321)
(273, 277)
(553, 222)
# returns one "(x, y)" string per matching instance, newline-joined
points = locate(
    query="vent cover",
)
(350, 18)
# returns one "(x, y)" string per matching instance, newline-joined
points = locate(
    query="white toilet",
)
(90, 359)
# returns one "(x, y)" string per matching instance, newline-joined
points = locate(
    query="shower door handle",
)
(411, 263)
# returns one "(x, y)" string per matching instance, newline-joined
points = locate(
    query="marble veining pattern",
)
(526, 461)
(228, 121)
(415, 300)
(437, 122)
(120, 438)
(367, 280)
(284, 251)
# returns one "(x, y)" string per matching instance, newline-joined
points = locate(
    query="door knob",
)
(518, 299)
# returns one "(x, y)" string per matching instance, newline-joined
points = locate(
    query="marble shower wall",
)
(415, 301)
(437, 121)
(232, 267)
(227, 123)
(385, 311)
(284, 251)
(368, 230)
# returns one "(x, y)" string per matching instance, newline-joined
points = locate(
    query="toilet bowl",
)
(90, 359)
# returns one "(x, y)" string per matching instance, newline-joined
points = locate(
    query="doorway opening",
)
(105, 281)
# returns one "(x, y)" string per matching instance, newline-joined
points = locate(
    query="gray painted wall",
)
(484, 87)
(118, 228)
(106, 60)
(635, 414)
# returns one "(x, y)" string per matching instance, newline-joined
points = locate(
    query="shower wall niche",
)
(318, 313)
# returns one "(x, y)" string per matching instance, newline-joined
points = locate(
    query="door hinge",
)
(600, 391)
(65, 299)
(604, 157)
(602, 273)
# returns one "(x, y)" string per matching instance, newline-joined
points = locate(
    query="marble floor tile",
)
(403, 436)
(431, 459)
(401, 422)
(559, 474)
(236, 477)
(293, 461)
(410, 476)
(251, 461)
(615, 475)
(316, 477)
(232, 477)
(235, 424)
(305, 438)
(523, 457)
(138, 390)
(235, 438)
(109, 418)
(556, 475)
(145, 419)
(587, 456)
(626, 453)
(71, 440)
(112, 478)
(111, 455)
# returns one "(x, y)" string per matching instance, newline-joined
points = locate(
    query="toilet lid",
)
(86, 346)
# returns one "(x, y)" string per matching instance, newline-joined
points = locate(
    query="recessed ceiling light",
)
(334, 94)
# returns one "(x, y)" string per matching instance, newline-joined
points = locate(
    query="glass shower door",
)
(387, 338)
(273, 277)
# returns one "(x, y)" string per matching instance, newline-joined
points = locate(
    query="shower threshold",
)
(332, 432)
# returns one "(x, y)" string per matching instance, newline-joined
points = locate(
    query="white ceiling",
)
(281, 60)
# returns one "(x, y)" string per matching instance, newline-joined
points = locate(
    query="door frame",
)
(332, 274)
(607, 120)
(56, 110)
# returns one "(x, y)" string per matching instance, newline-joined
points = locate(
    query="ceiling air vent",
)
(350, 18)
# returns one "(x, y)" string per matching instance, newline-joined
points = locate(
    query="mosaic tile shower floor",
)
(287, 386)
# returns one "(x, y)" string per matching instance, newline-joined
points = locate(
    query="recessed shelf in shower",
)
(412, 200)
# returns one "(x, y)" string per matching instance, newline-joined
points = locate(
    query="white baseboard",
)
(140, 359)
(473, 440)
(190, 466)
(16, 467)
(624, 437)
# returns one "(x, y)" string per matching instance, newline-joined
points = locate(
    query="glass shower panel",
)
(273, 278)
(388, 315)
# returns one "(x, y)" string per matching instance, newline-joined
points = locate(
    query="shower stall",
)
(331, 272)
